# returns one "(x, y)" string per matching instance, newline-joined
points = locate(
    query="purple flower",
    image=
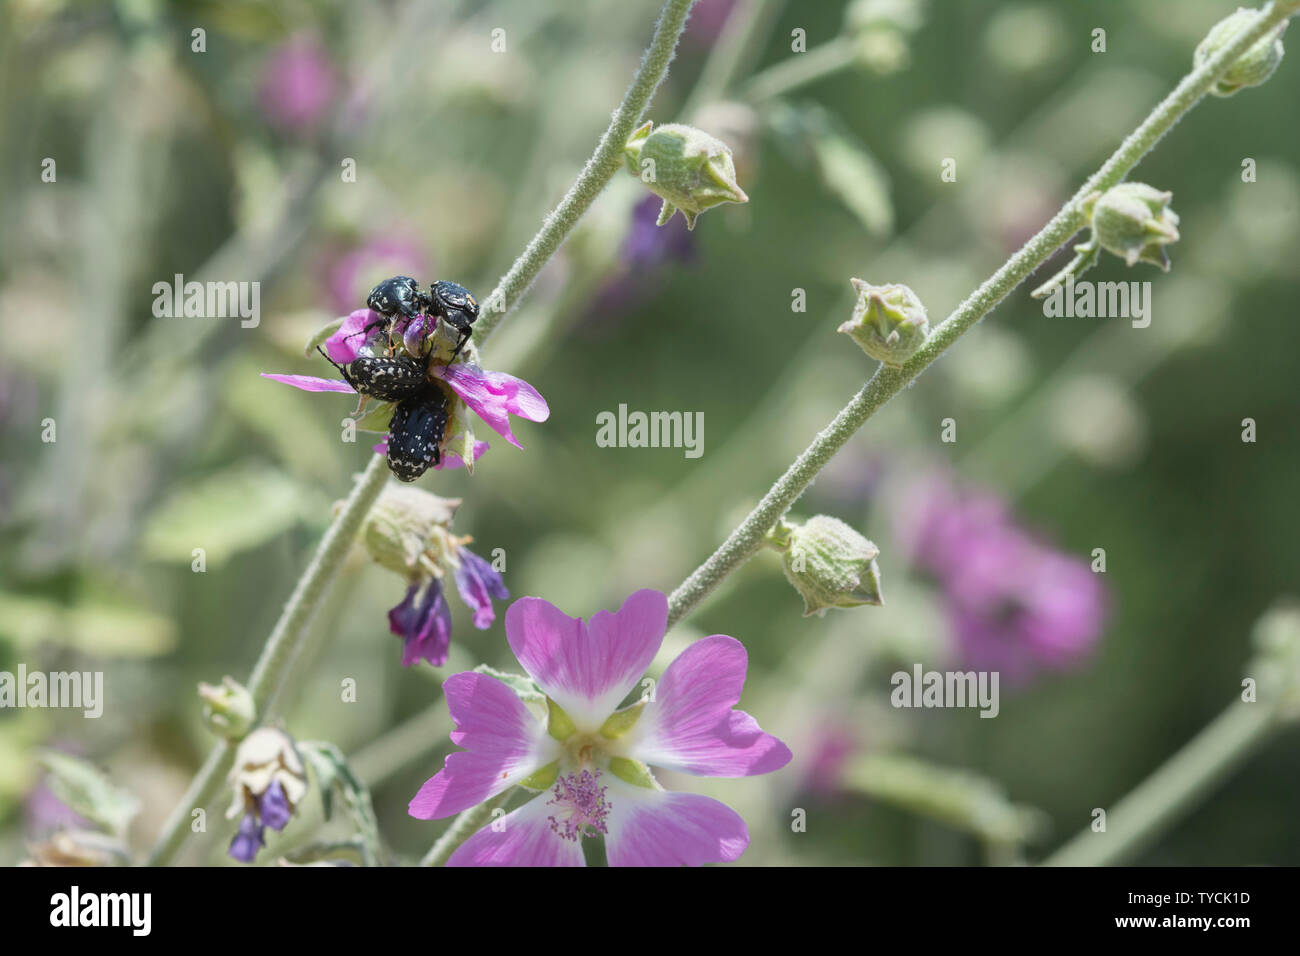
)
(648, 245)
(591, 761)
(646, 249)
(298, 84)
(834, 745)
(707, 20)
(268, 780)
(1015, 604)
(274, 807)
(493, 396)
(248, 840)
(423, 621)
(478, 583)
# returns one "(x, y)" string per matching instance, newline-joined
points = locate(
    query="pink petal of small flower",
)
(587, 668)
(691, 726)
(504, 741)
(495, 396)
(522, 837)
(345, 345)
(309, 383)
(657, 828)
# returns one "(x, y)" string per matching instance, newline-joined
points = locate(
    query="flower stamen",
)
(582, 806)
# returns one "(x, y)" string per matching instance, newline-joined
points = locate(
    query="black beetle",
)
(398, 296)
(416, 432)
(388, 379)
(457, 305)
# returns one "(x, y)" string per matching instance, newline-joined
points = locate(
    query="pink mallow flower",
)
(493, 396)
(589, 761)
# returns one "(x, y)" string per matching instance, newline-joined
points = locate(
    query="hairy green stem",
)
(596, 174)
(887, 381)
(800, 69)
(269, 670)
(600, 169)
(1174, 789)
(462, 828)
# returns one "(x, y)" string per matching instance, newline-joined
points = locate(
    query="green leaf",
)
(84, 789)
(100, 627)
(844, 164)
(333, 773)
(228, 512)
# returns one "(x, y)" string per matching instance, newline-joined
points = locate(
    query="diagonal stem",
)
(596, 174)
(747, 538)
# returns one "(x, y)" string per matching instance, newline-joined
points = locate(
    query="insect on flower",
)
(415, 433)
(454, 304)
(400, 296)
(389, 379)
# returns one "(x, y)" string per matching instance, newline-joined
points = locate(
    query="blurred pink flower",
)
(1015, 604)
(298, 84)
(353, 274)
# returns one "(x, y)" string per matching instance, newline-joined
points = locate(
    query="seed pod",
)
(889, 322)
(1254, 66)
(830, 565)
(1134, 221)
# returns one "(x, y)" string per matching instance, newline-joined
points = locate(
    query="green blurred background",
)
(225, 164)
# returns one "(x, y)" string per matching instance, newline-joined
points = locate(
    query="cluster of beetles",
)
(420, 415)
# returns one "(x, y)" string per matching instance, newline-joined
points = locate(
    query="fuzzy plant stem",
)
(1174, 789)
(747, 538)
(285, 637)
(595, 176)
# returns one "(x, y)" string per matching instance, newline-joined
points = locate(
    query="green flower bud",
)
(409, 528)
(691, 170)
(1134, 221)
(228, 710)
(888, 321)
(1251, 68)
(829, 563)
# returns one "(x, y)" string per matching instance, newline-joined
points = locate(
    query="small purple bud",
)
(248, 840)
(274, 807)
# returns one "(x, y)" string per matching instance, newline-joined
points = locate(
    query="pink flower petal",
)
(657, 828)
(346, 344)
(504, 741)
(522, 837)
(587, 668)
(309, 383)
(691, 727)
(495, 396)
